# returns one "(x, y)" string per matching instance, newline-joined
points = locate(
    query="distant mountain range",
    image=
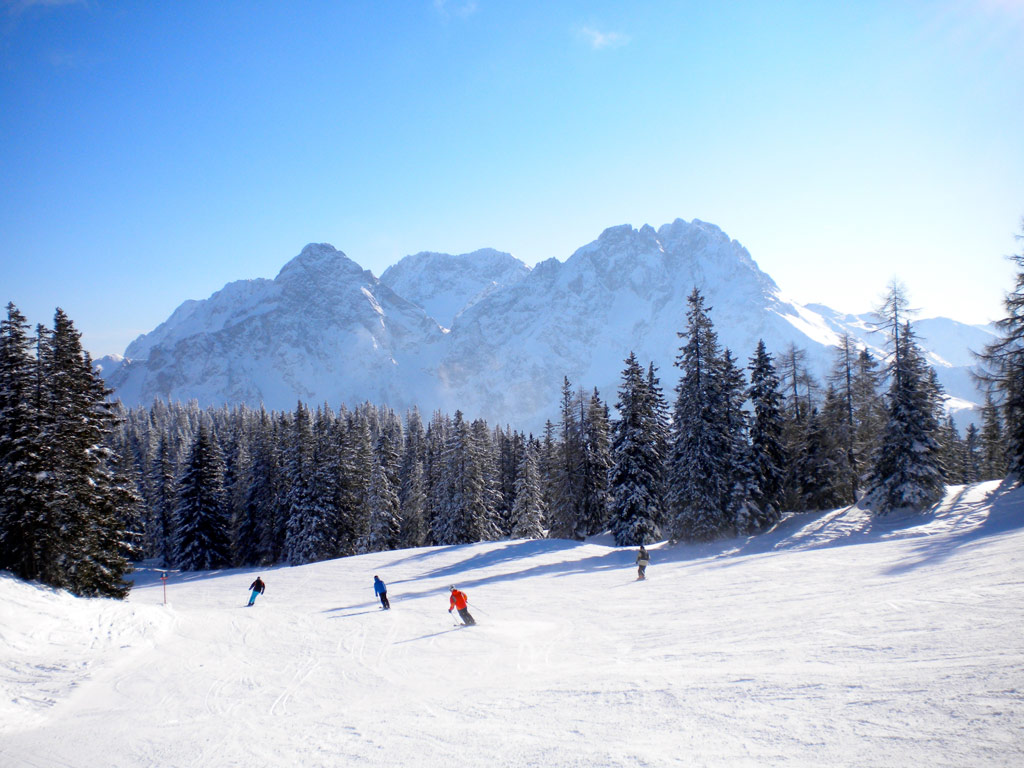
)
(485, 334)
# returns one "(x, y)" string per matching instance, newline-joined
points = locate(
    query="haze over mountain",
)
(485, 334)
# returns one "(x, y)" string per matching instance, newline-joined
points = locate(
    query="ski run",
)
(836, 639)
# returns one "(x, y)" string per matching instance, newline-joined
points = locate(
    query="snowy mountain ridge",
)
(484, 333)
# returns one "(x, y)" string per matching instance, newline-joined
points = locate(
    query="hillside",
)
(836, 639)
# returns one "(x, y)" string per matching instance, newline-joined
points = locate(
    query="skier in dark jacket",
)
(382, 592)
(642, 559)
(257, 588)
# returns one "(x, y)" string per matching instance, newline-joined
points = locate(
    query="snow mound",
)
(53, 643)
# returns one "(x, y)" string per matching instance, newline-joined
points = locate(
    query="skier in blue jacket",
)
(382, 592)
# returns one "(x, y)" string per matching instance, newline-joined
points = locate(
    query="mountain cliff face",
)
(446, 285)
(483, 333)
(322, 330)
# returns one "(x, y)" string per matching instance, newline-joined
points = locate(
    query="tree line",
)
(89, 486)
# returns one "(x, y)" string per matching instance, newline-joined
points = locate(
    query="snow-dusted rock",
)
(445, 285)
(323, 330)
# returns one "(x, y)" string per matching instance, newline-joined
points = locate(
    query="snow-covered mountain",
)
(323, 330)
(483, 333)
(446, 285)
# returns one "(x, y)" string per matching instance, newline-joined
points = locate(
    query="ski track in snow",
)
(837, 639)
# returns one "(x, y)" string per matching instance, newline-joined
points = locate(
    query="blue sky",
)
(152, 152)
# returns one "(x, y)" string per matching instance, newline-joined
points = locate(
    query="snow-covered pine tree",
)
(412, 494)
(385, 513)
(869, 413)
(907, 470)
(842, 423)
(160, 533)
(740, 501)
(203, 535)
(993, 442)
(799, 389)
(306, 537)
(564, 511)
(548, 462)
(258, 542)
(660, 410)
(595, 461)
(528, 509)
(92, 504)
(701, 443)
(413, 527)
(1003, 362)
(819, 468)
(952, 453)
(510, 447)
(21, 453)
(636, 474)
(767, 455)
(469, 514)
(353, 501)
(237, 472)
(437, 487)
(971, 462)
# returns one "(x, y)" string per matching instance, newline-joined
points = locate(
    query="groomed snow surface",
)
(837, 639)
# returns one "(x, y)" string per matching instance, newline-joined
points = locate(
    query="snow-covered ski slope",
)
(835, 640)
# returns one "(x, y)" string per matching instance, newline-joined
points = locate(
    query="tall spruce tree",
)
(701, 443)
(160, 533)
(869, 412)
(21, 452)
(412, 495)
(740, 501)
(566, 471)
(595, 461)
(908, 471)
(767, 455)
(528, 509)
(384, 527)
(90, 501)
(635, 476)
(971, 462)
(203, 528)
(992, 441)
(469, 515)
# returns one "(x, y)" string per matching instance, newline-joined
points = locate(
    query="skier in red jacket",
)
(461, 602)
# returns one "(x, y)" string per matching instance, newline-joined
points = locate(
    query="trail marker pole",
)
(163, 578)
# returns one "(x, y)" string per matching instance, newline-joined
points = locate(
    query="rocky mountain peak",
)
(319, 263)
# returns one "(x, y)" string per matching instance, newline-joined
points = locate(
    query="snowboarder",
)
(257, 588)
(382, 592)
(461, 602)
(642, 559)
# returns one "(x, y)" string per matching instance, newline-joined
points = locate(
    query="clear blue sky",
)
(152, 152)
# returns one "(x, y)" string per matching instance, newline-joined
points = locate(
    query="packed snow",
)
(835, 639)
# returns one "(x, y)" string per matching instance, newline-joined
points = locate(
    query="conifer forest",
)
(89, 487)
